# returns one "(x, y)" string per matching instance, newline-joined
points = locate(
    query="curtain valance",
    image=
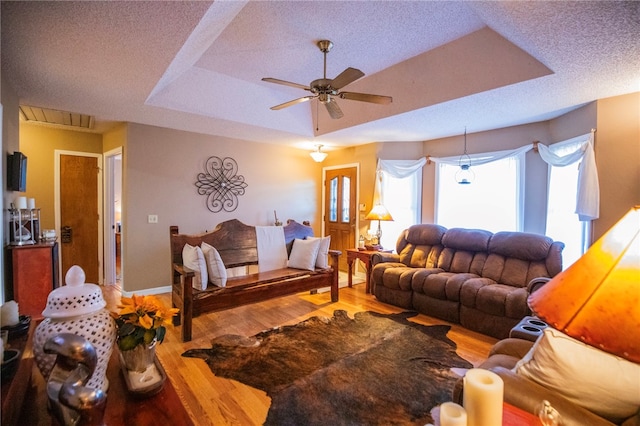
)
(588, 191)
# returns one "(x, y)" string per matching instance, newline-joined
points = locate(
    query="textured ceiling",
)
(198, 66)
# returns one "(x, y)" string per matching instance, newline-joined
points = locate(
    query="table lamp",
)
(596, 299)
(379, 213)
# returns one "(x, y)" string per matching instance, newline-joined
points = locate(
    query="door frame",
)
(324, 189)
(110, 276)
(56, 189)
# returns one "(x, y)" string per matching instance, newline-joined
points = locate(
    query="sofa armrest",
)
(527, 395)
(536, 283)
(382, 257)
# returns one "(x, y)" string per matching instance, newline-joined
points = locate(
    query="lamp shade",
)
(317, 155)
(379, 212)
(597, 299)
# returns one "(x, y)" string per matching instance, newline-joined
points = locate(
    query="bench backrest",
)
(235, 241)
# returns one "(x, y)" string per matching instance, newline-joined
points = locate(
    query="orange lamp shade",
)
(597, 299)
(379, 212)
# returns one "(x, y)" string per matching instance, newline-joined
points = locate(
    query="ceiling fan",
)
(326, 90)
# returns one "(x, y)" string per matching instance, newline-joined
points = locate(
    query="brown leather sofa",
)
(473, 277)
(526, 394)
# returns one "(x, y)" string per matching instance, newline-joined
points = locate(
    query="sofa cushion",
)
(398, 278)
(465, 250)
(598, 381)
(467, 239)
(493, 298)
(521, 245)
(420, 245)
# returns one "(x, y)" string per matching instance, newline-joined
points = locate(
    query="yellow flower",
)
(142, 319)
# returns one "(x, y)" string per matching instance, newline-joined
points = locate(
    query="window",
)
(492, 201)
(563, 223)
(402, 197)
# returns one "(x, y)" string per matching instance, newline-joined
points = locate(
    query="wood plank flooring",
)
(211, 400)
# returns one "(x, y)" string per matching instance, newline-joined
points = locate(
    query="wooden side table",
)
(365, 257)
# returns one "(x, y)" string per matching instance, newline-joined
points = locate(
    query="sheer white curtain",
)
(587, 205)
(399, 189)
(568, 161)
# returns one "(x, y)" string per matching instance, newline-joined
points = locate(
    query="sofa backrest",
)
(420, 245)
(465, 250)
(515, 258)
(512, 258)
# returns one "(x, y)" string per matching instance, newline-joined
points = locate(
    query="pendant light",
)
(465, 175)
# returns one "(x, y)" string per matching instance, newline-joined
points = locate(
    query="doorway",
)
(78, 201)
(113, 217)
(340, 214)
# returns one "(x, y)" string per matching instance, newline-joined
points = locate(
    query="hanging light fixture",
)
(317, 155)
(465, 175)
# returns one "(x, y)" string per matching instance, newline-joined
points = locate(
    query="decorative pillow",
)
(322, 261)
(215, 267)
(304, 254)
(596, 380)
(193, 258)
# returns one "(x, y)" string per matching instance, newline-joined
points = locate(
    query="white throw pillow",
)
(193, 258)
(215, 267)
(322, 261)
(596, 380)
(304, 253)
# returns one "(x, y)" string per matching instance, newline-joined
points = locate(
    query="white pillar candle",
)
(9, 313)
(452, 414)
(31, 204)
(22, 203)
(483, 397)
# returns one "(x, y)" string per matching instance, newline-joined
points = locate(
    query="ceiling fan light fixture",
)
(325, 90)
(317, 155)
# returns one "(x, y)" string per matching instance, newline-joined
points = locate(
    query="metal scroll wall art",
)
(221, 183)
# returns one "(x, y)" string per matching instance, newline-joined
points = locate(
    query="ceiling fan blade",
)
(347, 76)
(293, 102)
(365, 97)
(334, 110)
(286, 83)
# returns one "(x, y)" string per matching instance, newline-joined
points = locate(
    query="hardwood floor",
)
(211, 400)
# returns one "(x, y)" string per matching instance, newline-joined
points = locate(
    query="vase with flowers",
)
(141, 323)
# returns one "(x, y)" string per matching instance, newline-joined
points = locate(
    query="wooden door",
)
(79, 219)
(340, 210)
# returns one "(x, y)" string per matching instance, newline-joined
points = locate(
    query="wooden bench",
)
(237, 245)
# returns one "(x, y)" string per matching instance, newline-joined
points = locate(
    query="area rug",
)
(374, 369)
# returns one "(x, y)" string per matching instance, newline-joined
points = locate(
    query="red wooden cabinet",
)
(32, 273)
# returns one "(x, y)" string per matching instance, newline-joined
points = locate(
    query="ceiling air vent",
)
(55, 117)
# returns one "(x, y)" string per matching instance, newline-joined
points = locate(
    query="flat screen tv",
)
(17, 172)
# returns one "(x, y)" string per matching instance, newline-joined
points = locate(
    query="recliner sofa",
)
(473, 277)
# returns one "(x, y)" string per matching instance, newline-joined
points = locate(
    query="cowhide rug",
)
(373, 369)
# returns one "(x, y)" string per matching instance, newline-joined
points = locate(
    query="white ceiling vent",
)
(56, 117)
